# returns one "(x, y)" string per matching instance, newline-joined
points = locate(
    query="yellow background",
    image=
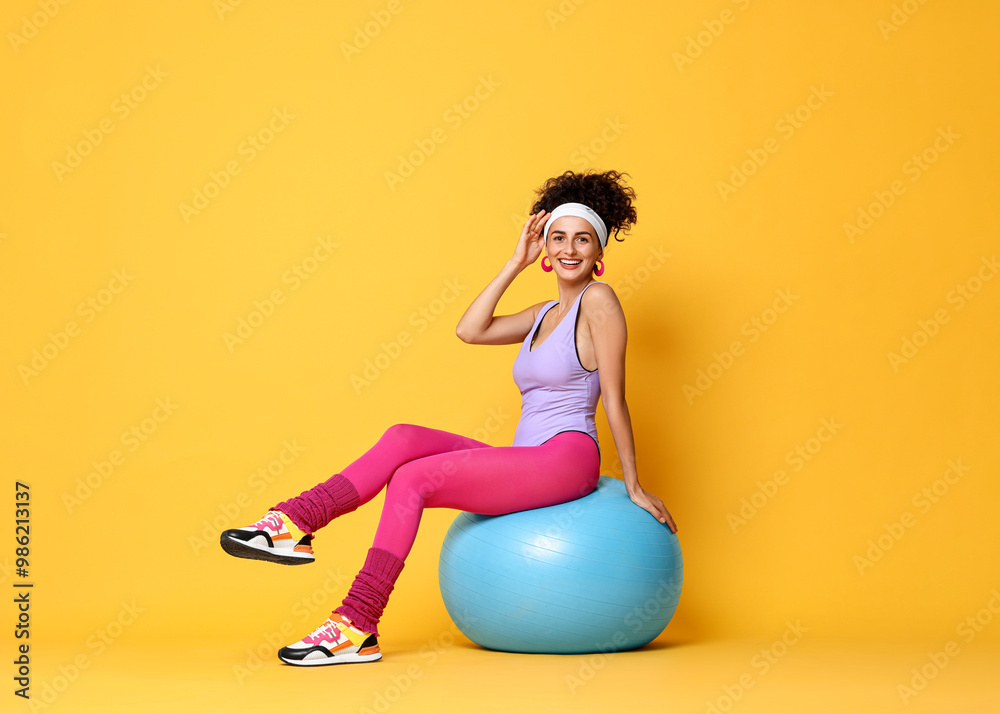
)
(561, 86)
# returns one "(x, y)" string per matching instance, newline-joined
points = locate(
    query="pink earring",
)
(546, 268)
(599, 271)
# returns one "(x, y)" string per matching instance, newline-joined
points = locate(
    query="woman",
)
(572, 352)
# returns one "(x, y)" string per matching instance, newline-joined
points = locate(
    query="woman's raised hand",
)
(531, 243)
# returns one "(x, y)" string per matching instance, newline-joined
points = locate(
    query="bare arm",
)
(606, 320)
(478, 325)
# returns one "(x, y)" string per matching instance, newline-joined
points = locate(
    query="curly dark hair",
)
(603, 192)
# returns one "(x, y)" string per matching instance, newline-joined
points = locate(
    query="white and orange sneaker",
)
(336, 641)
(274, 538)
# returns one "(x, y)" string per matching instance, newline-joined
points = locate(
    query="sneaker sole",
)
(342, 659)
(242, 549)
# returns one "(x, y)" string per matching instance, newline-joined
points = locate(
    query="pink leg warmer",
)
(370, 590)
(313, 509)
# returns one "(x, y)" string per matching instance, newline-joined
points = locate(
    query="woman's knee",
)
(415, 480)
(408, 491)
(426, 440)
(403, 435)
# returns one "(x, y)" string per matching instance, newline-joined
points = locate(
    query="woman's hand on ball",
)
(531, 243)
(654, 505)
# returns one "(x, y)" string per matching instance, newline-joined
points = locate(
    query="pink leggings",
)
(429, 468)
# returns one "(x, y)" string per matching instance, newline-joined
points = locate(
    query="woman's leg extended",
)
(364, 478)
(491, 481)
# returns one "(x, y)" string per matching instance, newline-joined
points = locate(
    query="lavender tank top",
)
(557, 393)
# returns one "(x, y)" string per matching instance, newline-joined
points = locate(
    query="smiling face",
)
(572, 246)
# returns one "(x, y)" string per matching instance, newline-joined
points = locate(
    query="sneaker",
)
(336, 641)
(268, 539)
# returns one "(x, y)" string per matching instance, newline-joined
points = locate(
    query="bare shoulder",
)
(598, 293)
(599, 300)
(536, 309)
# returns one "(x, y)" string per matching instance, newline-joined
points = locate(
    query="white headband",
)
(580, 211)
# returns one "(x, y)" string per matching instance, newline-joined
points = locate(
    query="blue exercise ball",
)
(595, 574)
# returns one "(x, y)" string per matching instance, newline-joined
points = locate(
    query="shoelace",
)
(322, 629)
(273, 520)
